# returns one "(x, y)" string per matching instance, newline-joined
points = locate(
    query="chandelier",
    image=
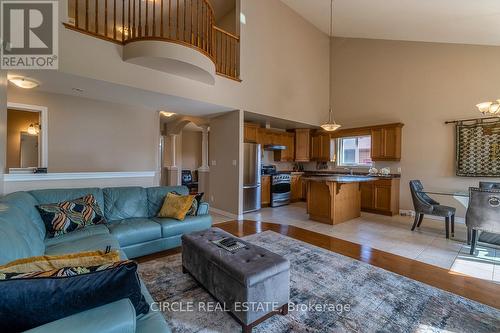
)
(331, 125)
(490, 108)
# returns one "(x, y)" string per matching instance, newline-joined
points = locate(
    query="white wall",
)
(87, 135)
(3, 126)
(226, 162)
(421, 85)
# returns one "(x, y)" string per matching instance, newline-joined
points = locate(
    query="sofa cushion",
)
(125, 202)
(63, 194)
(156, 196)
(26, 202)
(172, 227)
(134, 230)
(97, 229)
(14, 218)
(91, 243)
(153, 321)
(12, 245)
(116, 317)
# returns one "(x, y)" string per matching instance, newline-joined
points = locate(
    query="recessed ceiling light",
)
(23, 82)
(167, 114)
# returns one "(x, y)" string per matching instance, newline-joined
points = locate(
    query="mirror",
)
(23, 139)
(29, 150)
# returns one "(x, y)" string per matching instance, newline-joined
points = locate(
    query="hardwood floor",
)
(476, 289)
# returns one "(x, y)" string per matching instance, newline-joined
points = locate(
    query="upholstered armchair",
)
(423, 204)
(483, 213)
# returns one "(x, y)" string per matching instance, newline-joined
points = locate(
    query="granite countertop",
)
(326, 173)
(341, 179)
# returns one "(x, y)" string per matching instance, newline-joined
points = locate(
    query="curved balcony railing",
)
(187, 22)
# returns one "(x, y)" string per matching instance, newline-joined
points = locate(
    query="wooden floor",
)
(476, 289)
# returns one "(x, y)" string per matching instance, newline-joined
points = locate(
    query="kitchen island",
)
(334, 199)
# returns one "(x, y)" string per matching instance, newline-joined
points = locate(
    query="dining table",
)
(463, 196)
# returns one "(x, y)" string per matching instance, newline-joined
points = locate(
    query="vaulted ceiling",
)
(446, 21)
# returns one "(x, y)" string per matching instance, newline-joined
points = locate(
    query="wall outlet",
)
(213, 162)
(399, 170)
(235, 163)
(407, 212)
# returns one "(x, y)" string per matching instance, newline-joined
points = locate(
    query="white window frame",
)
(340, 155)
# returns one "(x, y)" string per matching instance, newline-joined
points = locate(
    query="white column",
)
(204, 170)
(204, 149)
(173, 173)
(173, 160)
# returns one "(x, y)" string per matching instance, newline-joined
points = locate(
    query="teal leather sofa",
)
(132, 228)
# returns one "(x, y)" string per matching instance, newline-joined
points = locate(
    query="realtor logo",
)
(29, 34)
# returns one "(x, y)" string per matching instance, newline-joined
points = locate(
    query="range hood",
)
(274, 147)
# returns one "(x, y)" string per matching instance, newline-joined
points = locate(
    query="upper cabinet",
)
(386, 142)
(321, 147)
(285, 139)
(302, 144)
(250, 133)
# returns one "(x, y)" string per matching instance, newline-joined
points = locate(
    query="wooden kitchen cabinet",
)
(386, 143)
(265, 191)
(250, 133)
(320, 147)
(296, 188)
(302, 144)
(287, 155)
(380, 196)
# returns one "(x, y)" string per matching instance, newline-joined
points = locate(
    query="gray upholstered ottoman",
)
(253, 282)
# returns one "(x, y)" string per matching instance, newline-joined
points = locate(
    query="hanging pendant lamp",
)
(331, 125)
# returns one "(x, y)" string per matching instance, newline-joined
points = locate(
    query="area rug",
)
(329, 293)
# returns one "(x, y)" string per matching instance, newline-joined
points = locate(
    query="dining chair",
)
(489, 185)
(424, 204)
(483, 213)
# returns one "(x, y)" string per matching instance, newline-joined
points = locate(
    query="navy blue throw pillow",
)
(29, 300)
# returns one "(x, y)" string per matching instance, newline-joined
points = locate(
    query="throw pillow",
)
(64, 217)
(193, 211)
(176, 206)
(33, 299)
(48, 263)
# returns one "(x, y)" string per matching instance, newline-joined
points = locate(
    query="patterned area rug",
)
(353, 297)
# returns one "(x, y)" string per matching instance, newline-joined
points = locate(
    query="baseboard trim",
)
(226, 214)
(405, 212)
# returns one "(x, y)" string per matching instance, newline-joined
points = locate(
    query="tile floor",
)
(393, 234)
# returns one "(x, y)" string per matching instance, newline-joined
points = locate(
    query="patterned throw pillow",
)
(64, 217)
(176, 206)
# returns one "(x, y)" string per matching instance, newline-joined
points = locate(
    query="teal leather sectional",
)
(132, 228)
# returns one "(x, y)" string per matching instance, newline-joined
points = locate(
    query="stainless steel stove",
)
(280, 189)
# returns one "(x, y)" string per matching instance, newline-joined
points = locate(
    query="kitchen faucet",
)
(351, 170)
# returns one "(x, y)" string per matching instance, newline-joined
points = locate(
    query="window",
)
(355, 151)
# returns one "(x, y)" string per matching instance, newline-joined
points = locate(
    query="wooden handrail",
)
(187, 22)
(226, 33)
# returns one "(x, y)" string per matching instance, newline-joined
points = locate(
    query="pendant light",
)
(331, 125)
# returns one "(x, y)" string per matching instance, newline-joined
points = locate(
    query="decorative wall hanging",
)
(478, 148)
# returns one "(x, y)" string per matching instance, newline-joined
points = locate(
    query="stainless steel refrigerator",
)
(251, 177)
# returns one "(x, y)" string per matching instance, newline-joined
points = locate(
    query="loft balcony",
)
(174, 36)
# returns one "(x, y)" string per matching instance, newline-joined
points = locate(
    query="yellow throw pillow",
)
(176, 206)
(48, 263)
